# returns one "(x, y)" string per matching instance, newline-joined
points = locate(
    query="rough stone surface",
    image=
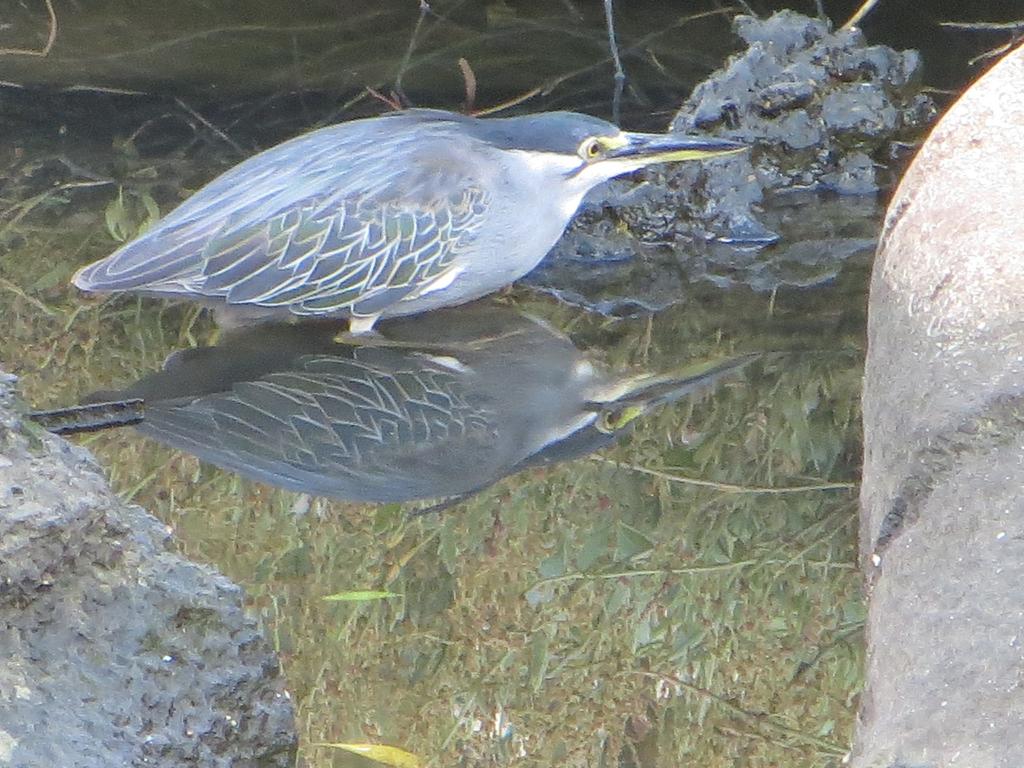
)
(808, 98)
(823, 112)
(117, 651)
(942, 515)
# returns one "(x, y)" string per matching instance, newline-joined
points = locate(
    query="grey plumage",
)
(477, 393)
(382, 217)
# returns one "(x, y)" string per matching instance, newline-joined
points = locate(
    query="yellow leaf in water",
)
(393, 756)
(118, 221)
(357, 596)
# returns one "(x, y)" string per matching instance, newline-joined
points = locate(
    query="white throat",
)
(553, 168)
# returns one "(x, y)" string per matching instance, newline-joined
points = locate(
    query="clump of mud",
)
(829, 120)
(822, 109)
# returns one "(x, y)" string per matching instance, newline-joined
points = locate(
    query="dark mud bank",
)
(829, 120)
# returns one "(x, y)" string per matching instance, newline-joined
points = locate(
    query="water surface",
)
(687, 595)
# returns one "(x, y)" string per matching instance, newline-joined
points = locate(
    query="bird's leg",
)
(361, 333)
(377, 339)
(362, 325)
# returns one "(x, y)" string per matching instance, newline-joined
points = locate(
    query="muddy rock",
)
(823, 112)
(117, 651)
(808, 98)
(942, 516)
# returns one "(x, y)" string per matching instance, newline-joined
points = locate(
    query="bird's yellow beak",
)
(650, 148)
(625, 399)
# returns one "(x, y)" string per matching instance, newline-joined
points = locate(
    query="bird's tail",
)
(91, 417)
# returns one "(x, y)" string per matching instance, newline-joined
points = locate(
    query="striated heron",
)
(385, 216)
(473, 394)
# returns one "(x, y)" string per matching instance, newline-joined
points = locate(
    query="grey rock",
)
(786, 30)
(799, 85)
(854, 176)
(861, 110)
(615, 273)
(942, 515)
(117, 651)
(822, 111)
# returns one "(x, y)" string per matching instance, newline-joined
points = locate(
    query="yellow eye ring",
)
(591, 149)
(614, 420)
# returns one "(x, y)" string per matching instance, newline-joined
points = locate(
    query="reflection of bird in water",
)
(471, 395)
(384, 217)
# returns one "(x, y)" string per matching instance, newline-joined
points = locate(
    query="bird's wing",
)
(326, 222)
(353, 253)
(340, 427)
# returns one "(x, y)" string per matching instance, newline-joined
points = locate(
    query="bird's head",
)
(611, 406)
(585, 150)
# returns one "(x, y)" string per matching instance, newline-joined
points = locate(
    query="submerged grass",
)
(599, 613)
(591, 614)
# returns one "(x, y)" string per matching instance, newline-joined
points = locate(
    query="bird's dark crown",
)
(560, 132)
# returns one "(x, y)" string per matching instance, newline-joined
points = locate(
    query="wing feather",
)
(324, 223)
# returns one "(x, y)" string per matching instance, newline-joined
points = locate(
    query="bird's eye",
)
(606, 422)
(590, 149)
(613, 420)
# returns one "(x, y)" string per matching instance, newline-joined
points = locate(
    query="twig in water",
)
(761, 720)
(985, 26)
(727, 487)
(211, 126)
(620, 74)
(203, 34)
(7, 285)
(551, 84)
(342, 109)
(300, 86)
(866, 7)
(392, 101)
(51, 38)
(20, 210)
(1016, 28)
(693, 570)
(994, 53)
(424, 10)
(103, 89)
(470, 80)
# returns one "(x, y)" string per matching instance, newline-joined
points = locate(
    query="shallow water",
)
(688, 594)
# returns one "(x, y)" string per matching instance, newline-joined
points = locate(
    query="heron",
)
(385, 216)
(473, 394)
